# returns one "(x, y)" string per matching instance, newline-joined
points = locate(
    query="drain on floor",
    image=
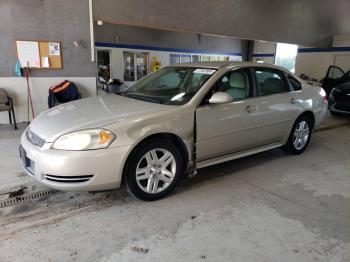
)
(33, 196)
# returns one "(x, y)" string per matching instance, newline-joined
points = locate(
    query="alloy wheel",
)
(301, 135)
(155, 171)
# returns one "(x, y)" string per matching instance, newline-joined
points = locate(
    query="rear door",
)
(230, 127)
(335, 76)
(278, 105)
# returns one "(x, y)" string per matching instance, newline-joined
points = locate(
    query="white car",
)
(180, 118)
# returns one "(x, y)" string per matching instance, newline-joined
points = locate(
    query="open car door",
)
(335, 76)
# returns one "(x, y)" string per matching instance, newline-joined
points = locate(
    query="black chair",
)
(6, 104)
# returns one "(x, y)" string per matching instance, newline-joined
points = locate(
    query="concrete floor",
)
(269, 207)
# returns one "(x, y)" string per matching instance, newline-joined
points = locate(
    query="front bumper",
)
(74, 170)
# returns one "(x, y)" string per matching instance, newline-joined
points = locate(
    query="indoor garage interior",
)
(92, 144)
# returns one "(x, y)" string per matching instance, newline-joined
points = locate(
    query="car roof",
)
(219, 64)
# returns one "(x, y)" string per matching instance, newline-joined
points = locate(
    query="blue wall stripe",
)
(166, 49)
(329, 49)
(264, 55)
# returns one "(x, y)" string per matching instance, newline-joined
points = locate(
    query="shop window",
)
(205, 58)
(185, 58)
(214, 58)
(129, 66)
(174, 59)
(141, 65)
(196, 58)
(132, 61)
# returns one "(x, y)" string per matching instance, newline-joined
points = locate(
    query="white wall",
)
(315, 64)
(16, 87)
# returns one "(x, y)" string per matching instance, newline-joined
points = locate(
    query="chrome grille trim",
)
(34, 138)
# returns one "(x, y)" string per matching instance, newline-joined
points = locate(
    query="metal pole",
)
(92, 36)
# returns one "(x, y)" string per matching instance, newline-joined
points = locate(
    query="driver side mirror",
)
(220, 98)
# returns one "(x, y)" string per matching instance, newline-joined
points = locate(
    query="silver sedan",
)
(170, 123)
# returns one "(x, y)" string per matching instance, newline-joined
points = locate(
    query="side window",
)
(295, 83)
(271, 81)
(335, 72)
(236, 83)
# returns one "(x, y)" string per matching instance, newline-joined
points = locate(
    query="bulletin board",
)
(39, 54)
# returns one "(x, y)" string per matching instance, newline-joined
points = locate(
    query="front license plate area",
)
(28, 164)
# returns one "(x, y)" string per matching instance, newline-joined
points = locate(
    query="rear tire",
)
(300, 136)
(154, 169)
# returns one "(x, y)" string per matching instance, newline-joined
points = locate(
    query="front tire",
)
(300, 135)
(154, 169)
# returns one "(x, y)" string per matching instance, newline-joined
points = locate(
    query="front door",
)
(230, 127)
(335, 76)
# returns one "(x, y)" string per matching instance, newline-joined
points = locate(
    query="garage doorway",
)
(104, 64)
(286, 55)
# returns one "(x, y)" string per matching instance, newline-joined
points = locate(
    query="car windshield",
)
(169, 85)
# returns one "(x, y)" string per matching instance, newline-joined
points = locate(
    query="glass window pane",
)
(295, 83)
(170, 85)
(174, 59)
(195, 58)
(185, 58)
(335, 72)
(214, 58)
(236, 84)
(129, 66)
(205, 58)
(271, 81)
(141, 65)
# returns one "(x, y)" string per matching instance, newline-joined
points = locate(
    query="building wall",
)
(264, 52)
(64, 21)
(16, 87)
(159, 44)
(298, 22)
(314, 62)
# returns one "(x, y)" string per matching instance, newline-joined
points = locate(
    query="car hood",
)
(90, 112)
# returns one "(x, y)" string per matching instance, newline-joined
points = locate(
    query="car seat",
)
(238, 85)
(272, 85)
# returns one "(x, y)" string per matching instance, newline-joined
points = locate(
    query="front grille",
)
(68, 179)
(34, 138)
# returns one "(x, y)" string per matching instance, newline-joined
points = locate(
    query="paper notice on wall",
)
(45, 62)
(28, 53)
(54, 48)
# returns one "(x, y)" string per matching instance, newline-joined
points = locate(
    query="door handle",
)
(251, 108)
(293, 100)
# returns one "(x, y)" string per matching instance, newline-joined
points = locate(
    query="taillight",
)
(324, 95)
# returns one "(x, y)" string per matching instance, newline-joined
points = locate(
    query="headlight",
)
(84, 140)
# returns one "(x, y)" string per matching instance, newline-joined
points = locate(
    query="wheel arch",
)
(175, 139)
(310, 115)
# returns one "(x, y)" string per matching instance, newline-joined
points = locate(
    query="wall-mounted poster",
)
(28, 54)
(54, 48)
